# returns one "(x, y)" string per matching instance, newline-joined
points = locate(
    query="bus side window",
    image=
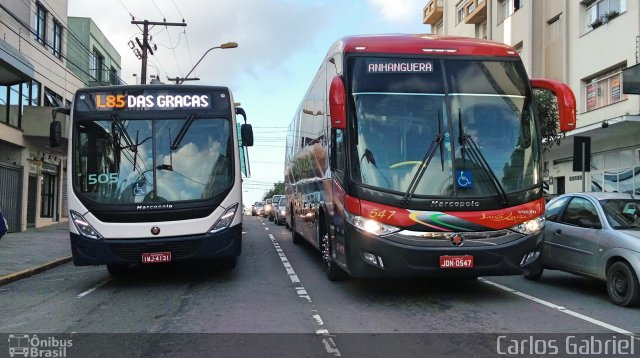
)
(338, 164)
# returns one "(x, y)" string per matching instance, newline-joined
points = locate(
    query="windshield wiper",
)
(123, 132)
(476, 155)
(437, 142)
(183, 131)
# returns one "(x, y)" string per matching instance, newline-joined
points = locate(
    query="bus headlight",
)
(530, 227)
(225, 219)
(84, 228)
(370, 226)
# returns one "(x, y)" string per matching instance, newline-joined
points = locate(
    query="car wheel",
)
(118, 270)
(622, 285)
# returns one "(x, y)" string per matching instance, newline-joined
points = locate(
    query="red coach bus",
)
(420, 155)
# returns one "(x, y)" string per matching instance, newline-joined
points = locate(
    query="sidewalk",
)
(26, 253)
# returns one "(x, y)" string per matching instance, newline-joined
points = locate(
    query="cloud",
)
(398, 11)
(268, 33)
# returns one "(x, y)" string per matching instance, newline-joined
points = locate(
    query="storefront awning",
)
(14, 66)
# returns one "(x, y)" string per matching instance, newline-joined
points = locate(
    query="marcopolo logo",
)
(24, 345)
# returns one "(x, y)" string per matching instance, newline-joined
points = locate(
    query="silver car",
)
(595, 235)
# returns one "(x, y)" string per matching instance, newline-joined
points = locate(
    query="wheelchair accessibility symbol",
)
(464, 178)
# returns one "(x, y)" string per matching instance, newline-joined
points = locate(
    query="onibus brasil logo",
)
(24, 345)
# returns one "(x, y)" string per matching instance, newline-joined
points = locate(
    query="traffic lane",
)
(584, 295)
(254, 297)
(421, 305)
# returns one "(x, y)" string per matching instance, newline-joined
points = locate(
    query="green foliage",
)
(547, 106)
(278, 189)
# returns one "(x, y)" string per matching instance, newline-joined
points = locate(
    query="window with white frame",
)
(601, 11)
(604, 90)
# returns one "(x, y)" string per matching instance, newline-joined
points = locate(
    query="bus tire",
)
(331, 269)
(295, 237)
(118, 270)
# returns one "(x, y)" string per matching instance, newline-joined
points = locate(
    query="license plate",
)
(463, 261)
(154, 257)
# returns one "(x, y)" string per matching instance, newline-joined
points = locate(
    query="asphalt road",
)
(278, 300)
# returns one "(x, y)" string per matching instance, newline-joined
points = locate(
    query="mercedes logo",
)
(155, 230)
(456, 239)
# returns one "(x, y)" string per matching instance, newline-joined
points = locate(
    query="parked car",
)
(274, 200)
(281, 212)
(595, 235)
(266, 213)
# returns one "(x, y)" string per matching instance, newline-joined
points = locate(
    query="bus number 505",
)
(104, 178)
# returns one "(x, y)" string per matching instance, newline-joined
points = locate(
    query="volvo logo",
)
(456, 239)
(155, 230)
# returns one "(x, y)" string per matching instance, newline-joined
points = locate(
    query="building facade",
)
(92, 58)
(34, 77)
(586, 44)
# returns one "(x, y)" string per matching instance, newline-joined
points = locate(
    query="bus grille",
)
(133, 252)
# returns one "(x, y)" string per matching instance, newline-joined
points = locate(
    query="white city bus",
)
(155, 175)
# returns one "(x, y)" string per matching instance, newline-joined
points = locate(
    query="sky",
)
(281, 44)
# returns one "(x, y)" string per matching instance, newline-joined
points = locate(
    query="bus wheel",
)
(334, 273)
(118, 270)
(295, 237)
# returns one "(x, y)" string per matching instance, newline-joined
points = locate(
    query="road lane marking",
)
(94, 288)
(560, 308)
(320, 329)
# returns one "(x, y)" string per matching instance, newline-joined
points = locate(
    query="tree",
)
(278, 189)
(547, 105)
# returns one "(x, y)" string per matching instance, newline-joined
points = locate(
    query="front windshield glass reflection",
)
(137, 164)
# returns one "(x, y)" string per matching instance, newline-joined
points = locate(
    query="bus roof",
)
(152, 87)
(424, 44)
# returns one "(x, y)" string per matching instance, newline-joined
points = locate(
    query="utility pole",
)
(144, 46)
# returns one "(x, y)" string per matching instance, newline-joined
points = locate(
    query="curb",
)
(32, 271)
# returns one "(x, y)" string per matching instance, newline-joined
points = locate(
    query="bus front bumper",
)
(87, 251)
(401, 260)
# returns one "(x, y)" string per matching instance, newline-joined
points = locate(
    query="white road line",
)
(327, 339)
(94, 288)
(266, 228)
(559, 308)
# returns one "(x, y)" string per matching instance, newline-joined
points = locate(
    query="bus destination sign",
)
(396, 66)
(102, 101)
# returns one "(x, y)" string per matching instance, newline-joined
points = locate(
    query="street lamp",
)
(223, 46)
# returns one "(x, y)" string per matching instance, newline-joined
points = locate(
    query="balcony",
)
(475, 12)
(432, 13)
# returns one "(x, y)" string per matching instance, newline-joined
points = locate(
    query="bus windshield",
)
(120, 160)
(402, 104)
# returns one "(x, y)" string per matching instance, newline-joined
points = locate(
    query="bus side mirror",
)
(55, 128)
(566, 101)
(55, 134)
(246, 132)
(337, 103)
